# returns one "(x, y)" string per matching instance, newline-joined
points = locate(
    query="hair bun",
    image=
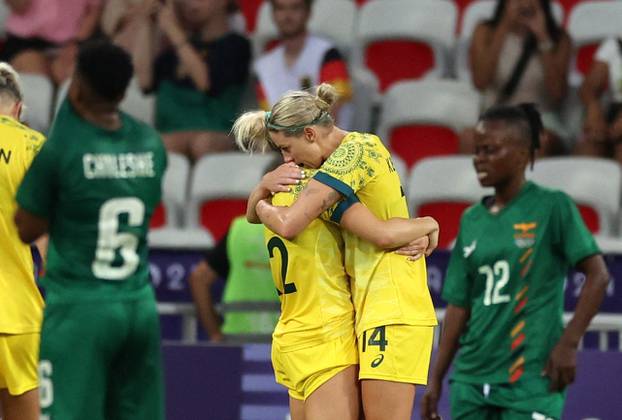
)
(327, 96)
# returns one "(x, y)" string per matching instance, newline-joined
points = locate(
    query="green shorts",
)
(101, 360)
(530, 400)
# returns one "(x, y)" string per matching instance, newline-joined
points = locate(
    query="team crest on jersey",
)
(524, 234)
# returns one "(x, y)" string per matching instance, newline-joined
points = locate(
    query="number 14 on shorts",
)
(377, 337)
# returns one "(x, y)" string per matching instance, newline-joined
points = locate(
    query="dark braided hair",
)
(106, 67)
(525, 117)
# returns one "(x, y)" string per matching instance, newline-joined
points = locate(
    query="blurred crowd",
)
(203, 64)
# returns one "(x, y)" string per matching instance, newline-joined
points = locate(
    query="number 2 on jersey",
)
(276, 242)
(492, 295)
(109, 240)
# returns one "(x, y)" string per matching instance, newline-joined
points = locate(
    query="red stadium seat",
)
(249, 9)
(415, 142)
(395, 60)
(590, 217)
(158, 219)
(226, 209)
(447, 214)
(585, 57)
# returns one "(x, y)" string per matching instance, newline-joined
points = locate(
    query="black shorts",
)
(15, 45)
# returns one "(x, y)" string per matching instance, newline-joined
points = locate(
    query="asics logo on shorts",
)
(377, 361)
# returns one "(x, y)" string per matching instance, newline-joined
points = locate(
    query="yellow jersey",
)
(387, 287)
(310, 279)
(21, 304)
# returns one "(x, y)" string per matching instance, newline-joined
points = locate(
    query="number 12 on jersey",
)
(277, 243)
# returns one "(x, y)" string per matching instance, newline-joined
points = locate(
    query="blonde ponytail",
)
(250, 131)
(295, 110)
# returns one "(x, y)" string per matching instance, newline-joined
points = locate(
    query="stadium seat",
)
(219, 187)
(4, 14)
(475, 12)
(38, 95)
(594, 184)
(166, 223)
(138, 104)
(404, 39)
(424, 118)
(250, 9)
(588, 24)
(333, 19)
(443, 187)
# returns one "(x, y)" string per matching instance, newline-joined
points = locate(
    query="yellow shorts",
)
(19, 354)
(302, 371)
(399, 353)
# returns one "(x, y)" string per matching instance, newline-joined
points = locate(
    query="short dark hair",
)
(106, 68)
(524, 117)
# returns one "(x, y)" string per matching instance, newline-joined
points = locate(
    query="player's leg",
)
(296, 408)
(19, 397)
(337, 398)
(77, 344)
(136, 390)
(20, 407)
(393, 358)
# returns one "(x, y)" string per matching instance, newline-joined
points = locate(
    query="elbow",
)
(287, 232)
(386, 240)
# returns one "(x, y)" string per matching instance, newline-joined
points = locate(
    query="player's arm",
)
(29, 226)
(388, 234)
(200, 280)
(288, 222)
(562, 362)
(454, 323)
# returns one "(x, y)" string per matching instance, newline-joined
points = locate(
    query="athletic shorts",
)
(302, 371)
(527, 400)
(399, 353)
(18, 362)
(101, 360)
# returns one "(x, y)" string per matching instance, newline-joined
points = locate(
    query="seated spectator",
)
(522, 55)
(241, 258)
(602, 128)
(301, 60)
(42, 35)
(199, 77)
(122, 19)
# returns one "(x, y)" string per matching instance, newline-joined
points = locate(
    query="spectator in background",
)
(42, 35)
(301, 60)
(122, 20)
(602, 128)
(199, 77)
(522, 55)
(241, 258)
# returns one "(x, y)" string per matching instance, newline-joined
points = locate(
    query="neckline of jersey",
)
(526, 187)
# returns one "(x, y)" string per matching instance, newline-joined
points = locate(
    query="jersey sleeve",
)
(571, 235)
(346, 170)
(38, 190)
(457, 284)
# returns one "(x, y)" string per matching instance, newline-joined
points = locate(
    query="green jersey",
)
(249, 279)
(98, 189)
(508, 268)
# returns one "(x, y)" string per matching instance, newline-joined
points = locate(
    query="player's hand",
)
(415, 249)
(216, 338)
(280, 179)
(429, 402)
(561, 366)
(432, 242)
